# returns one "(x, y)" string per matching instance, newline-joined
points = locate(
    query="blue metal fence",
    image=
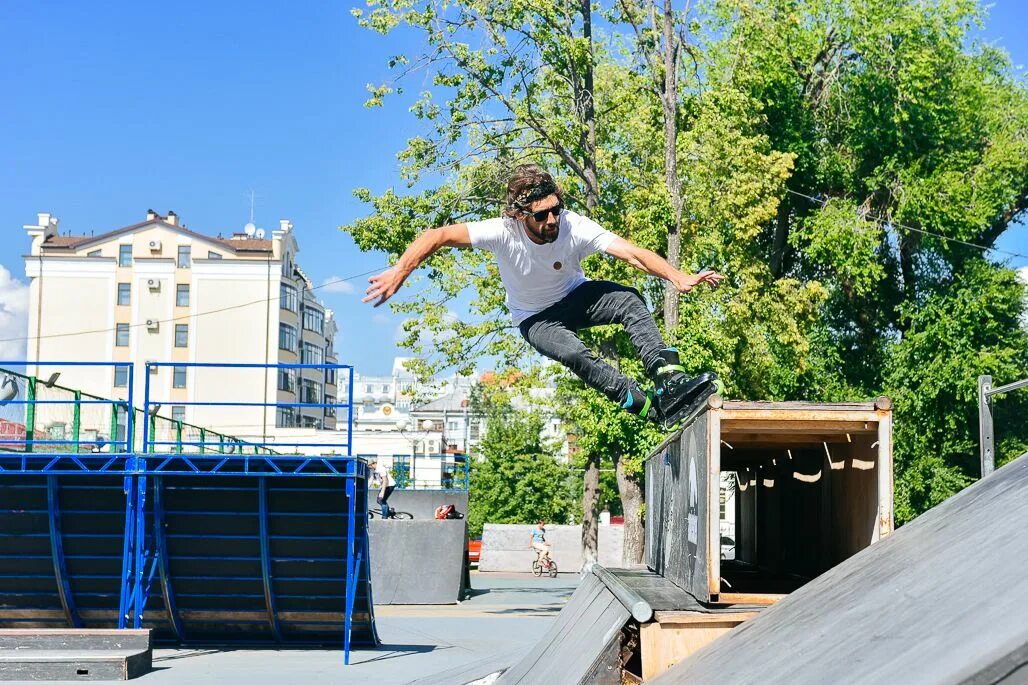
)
(176, 552)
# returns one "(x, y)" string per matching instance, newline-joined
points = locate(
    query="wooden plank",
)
(885, 479)
(800, 424)
(703, 617)
(742, 405)
(713, 503)
(758, 599)
(662, 645)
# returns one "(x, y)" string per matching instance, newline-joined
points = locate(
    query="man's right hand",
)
(384, 285)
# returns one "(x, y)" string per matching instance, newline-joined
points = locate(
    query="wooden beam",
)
(760, 599)
(753, 424)
(696, 617)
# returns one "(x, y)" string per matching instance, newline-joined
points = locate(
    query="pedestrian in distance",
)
(539, 245)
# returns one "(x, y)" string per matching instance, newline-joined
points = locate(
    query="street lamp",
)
(427, 426)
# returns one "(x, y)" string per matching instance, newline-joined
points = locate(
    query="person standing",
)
(385, 480)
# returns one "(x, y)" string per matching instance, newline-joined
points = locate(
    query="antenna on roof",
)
(251, 227)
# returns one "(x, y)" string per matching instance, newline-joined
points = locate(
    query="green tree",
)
(517, 478)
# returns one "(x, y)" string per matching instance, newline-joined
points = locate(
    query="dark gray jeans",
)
(596, 303)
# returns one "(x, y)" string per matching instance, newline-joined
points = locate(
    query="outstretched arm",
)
(655, 265)
(384, 285)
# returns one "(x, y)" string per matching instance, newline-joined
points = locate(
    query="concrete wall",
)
(505, 547)
(418, 562)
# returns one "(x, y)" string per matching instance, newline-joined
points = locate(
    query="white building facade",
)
(158, 291)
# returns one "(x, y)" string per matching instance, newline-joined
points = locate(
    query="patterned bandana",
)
(544, 189)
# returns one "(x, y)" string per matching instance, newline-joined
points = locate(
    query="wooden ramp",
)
(942, 600)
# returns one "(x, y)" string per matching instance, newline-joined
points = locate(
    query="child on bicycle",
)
(539, 544)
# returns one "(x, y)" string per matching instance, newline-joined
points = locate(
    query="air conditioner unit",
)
(155, 245)
(152, 324)
(153, 284)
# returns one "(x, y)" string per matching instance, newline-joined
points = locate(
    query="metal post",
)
(203, 439)
(178, 437)
(30, 416)
(76, 419)
(115, 406)
(985, 428)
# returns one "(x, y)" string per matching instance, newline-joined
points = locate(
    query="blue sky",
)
(113, 108)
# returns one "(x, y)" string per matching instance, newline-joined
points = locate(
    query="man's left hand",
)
(686, 282)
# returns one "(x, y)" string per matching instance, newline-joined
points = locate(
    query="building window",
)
(213, 255)
(178, 413)
(124, 294)
(287, 380)
(124, 255)
(314, 320)
(184, 256)
(181, 335)
(121, 374)
(179, 380)
(122, 337)
(286, 337)
(330, 412)
(312, 354)
(310, 422)
(182, 295)
(94, 253)
(451, 426)
(285, 417)
(369, 389)
(288, 297)
(331, 376)
(311, 391)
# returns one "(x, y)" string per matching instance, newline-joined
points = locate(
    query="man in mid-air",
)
(539, 246)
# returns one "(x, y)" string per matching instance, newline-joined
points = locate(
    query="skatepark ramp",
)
(200, 540)
(810, 486)
(419, 562)
(940, 601)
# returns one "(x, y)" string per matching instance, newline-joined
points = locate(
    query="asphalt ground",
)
(506, 613)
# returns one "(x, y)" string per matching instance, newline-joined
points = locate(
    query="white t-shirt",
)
(537, 276)
(384, 478)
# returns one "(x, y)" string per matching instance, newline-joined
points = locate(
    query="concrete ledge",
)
(505, 547)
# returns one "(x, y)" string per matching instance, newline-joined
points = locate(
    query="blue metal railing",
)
(145, 552)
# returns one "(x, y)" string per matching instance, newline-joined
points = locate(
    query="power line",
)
(879, 221)
(186, 316)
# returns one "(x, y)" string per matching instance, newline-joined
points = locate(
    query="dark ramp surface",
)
(943, 600)
(418, 562)
(581, 646)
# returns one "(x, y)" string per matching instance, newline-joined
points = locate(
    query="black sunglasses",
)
(543, 214)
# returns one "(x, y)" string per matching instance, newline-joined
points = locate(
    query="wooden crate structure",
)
(812, 487)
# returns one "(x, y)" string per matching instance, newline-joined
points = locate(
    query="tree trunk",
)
(669, 101)
(630, 489)
(778, 247)
(590, 513)
(587, 110)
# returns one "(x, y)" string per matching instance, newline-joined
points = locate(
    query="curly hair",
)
(527, 184)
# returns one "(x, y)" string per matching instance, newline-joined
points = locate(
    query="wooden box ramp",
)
(56, 654)
(941, 601)
(620, 625)
(230, 559)
(753, 499)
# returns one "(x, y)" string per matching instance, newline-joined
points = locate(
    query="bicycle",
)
(393, 514)
(539, 566)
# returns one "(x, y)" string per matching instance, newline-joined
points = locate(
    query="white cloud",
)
(380, 319)
(335, 284)
(14, 315)
(427, 338)
(1023, 273)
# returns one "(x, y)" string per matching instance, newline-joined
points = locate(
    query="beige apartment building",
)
(158, 291)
